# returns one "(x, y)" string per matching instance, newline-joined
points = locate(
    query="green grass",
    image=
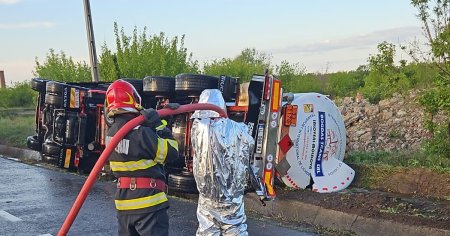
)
(390, 210)
(15, 129)
(418, 158)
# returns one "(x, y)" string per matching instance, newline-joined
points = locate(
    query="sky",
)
(321, 35)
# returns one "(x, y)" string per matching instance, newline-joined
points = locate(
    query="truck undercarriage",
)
(300, 138)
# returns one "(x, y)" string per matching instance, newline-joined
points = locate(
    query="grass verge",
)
(15, 129)
(416, 158)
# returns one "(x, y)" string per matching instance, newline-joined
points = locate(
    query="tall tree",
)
(435, 18)
(385, 78)
(140, 55)
(248, 62)
(289, 74)
(57, 66)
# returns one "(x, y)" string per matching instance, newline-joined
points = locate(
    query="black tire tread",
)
(53, 99)
(38, 84)
(182, 182)
(194, 84)
(159, 86)
(53, 87)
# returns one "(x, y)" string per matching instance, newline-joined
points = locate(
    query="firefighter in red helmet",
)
(138, 163)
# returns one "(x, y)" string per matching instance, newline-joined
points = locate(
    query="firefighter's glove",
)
(151, 118)
(172, 106)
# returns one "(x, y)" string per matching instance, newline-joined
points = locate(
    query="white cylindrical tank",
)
(318, 142)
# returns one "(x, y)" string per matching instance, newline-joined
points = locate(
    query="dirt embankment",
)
(412, 181)
(406, 209)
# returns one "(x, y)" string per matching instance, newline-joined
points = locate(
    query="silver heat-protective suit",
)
(221, 155)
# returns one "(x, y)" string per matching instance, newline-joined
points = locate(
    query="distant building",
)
(2, 79)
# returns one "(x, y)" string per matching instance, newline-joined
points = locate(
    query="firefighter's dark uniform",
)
(142, 153)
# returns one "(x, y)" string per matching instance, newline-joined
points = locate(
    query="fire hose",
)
(112, 145)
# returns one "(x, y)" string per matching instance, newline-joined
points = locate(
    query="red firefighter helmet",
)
(122, 95)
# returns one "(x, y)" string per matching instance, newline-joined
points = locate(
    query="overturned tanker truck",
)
(300, 139)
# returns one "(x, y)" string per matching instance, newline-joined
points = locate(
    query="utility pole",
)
(91, 40)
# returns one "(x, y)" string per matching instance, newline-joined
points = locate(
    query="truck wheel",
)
(182, 182)
(55, 100)
(54, 87)
(159, 86)
(38, 85)
(193, 84)
(50, 149)
(33, 143)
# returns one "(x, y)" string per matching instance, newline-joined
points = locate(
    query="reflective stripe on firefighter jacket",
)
(141, 153)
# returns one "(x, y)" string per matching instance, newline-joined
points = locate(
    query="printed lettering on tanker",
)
(300, 149)
(305, 170)
(332, 145)
(335, 169)
(305, 144)
(336, 140)
(313, 144)
(321, 145)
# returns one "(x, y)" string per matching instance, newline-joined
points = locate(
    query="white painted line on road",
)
(5, 215)
(45, 235)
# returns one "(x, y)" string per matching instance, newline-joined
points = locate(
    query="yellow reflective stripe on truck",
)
(139, 203)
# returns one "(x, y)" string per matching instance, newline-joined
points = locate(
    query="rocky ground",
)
(396, 123)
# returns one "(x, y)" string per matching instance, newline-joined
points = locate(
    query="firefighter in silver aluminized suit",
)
(221, 156)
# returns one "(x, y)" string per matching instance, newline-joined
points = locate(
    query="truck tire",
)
(53, 99)
(38, 85)
(54, 87)
(192, 85)
(50, 149)
(33, 143)
(182, 182)
(159, 86)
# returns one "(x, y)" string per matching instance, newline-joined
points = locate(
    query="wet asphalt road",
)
(35, 201)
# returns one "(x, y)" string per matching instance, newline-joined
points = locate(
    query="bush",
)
(62, 68)
(249, 62)
(140, 55)
(308, 83)
(343, 84)
(21, 95)
(439, 145)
